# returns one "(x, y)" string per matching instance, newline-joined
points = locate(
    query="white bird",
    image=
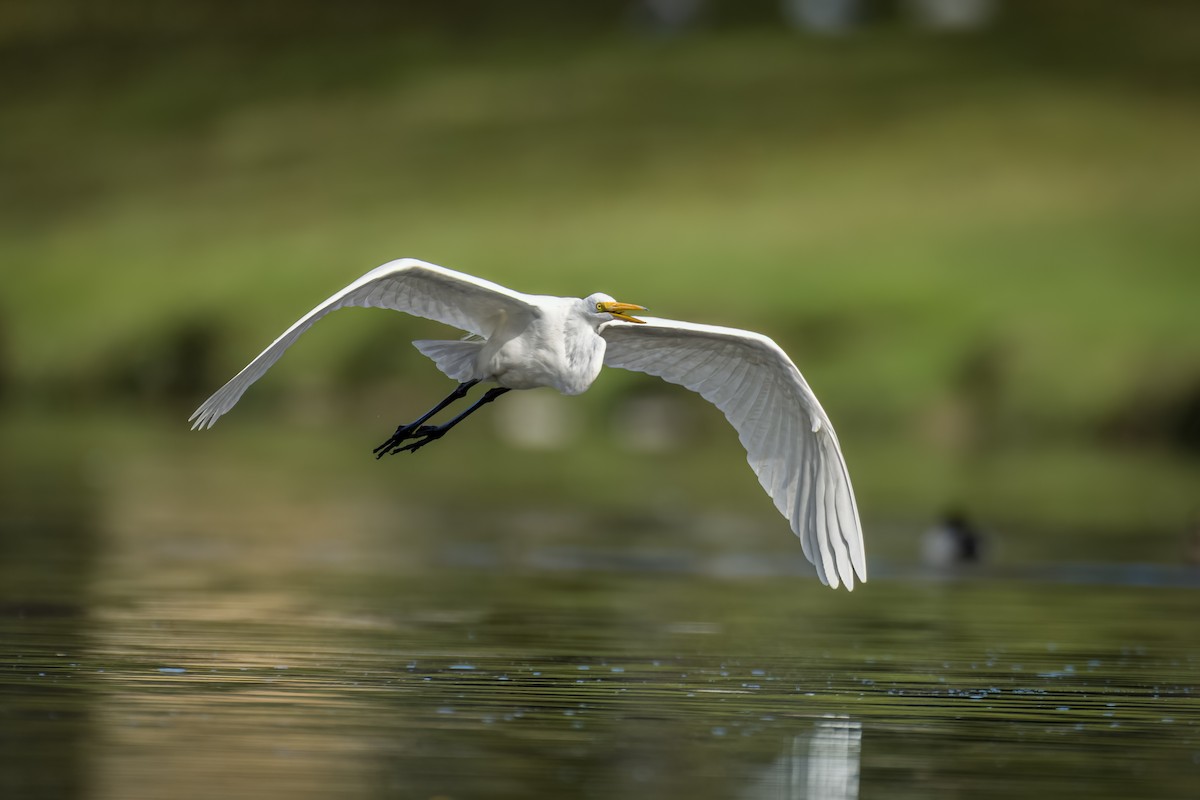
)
(523, 341)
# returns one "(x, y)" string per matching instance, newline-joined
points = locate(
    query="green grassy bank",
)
(984, 265)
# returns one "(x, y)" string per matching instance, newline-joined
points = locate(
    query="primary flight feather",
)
(523, 341)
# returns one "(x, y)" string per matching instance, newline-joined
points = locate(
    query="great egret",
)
(523, 341)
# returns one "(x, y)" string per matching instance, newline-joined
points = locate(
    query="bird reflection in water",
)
(823, 763)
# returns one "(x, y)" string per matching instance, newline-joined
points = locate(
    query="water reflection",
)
(48, 552)
(822, 764)
(299, 642)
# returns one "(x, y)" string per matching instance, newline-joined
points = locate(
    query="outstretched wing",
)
(789, 440)
(415, 287)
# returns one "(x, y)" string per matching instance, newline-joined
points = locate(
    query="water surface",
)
(163, 639)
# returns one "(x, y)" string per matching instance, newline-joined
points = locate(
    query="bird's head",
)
(605, 308)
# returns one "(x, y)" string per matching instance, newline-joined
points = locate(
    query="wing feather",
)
(803, 516)
(416, 287)
(790, 443)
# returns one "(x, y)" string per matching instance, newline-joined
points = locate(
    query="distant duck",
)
(952, 541)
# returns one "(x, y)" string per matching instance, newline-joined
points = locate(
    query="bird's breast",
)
(566, 361)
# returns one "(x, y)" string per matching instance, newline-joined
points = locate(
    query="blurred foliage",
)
(979, 248)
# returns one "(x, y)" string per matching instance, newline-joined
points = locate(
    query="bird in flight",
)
(525, 341)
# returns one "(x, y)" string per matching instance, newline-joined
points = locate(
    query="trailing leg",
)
(406, 432)
(428, 433)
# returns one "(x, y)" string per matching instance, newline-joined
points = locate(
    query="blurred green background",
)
(976, 238)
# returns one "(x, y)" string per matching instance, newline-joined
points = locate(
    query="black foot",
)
(402, 434)
(424, 435)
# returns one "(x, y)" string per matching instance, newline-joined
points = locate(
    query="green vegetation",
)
(985, 263)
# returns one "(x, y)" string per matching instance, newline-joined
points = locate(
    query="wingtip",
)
(829, 577)
(202, 419)
(856, 574)
(855, 578)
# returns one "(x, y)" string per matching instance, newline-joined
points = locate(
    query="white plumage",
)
(523, 341)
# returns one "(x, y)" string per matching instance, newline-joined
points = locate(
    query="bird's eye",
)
(600, 307)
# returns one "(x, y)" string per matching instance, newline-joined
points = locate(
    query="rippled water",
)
(156, 649)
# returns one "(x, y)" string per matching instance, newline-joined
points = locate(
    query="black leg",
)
(406, 432)
(428, 433)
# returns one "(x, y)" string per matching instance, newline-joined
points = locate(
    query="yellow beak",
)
(618, 310)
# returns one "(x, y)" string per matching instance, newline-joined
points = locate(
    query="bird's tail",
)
(455, 358)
